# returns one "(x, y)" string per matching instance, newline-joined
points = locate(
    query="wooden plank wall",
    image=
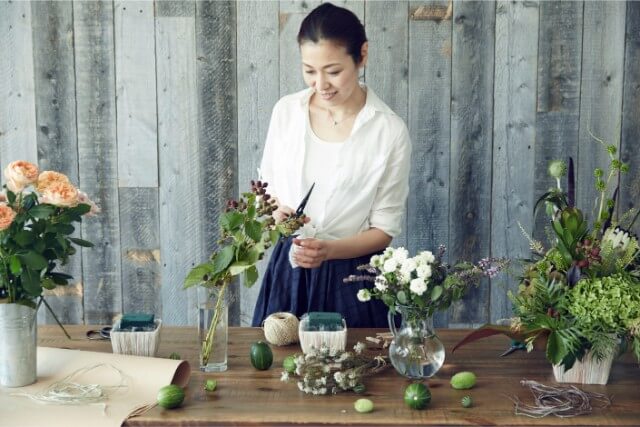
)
(159, 111)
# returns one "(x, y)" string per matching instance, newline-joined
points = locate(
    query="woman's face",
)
(330, 71)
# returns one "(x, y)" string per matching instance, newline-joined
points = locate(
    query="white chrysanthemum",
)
(424, 271)
(418, 286)
(338, 377)
(388, 253)
(427, 257)
(322, 380)
(390, 265)
(364, 295)
(359, 347)
(376, 261)
(322, 390)
(381, 283)
(285, 376)
(408, 266)
(404, 278)
(300, 386)
(400, 255)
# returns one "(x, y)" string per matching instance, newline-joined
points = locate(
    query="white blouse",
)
(370, 183)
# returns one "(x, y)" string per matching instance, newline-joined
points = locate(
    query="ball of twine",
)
(281, 328)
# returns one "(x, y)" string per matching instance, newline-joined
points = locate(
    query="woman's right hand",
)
(282, 213)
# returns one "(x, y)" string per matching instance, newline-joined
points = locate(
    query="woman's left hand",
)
(310, 253)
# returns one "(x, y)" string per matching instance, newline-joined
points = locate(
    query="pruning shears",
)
(515, 346)
(300, 211)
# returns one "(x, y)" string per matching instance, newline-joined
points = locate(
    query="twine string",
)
(281, 328)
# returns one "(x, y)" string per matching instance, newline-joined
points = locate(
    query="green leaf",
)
(196, 275)
(24, 238)
(42, 211)
(239, 267)
(15, 266)
(250, 276)
(436, 292)
(251, 211)
(253, 230)
(81, 242)
(80, 210)
(274, 236)
(556, 350)
(11, 196)
(253, 255)
(402, 297)
(231, 221)
(223, 259)
(65, 228)
(33, 260)
(388, 300)
(31, 282)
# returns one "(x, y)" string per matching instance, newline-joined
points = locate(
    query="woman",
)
(340, 136)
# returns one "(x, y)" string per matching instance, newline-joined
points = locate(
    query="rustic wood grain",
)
(136, 94)
(217, 120)
(291, 15)
(257, 24)
(17, 109)
(140, 247)
(175, 8)
(387, 68)
(52, 29)
(558, 110)
(247, 397)
(471, 142)
(514, 136)
(97, 157)
(429, 124)
(179, 192)
(601, 95)
(630, 138)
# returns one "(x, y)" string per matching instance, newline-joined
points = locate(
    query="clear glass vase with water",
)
(416, 352)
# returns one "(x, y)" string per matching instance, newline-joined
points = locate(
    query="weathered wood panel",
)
(291, 15)
(217, 119)
(17, 109)
(514, 137)
(179, 192)
(429, 124)
(97, 156)
(140, 247)
(136, 94)
(601, 95)
(52, 25)
(387, 69)
(471, 132)
(257, 29)
(558, 110)
(630, 138)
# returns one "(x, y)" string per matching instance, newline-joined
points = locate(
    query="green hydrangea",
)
(606, 304)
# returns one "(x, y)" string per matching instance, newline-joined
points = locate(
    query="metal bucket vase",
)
(18, 345)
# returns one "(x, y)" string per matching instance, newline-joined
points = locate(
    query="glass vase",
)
(18, 345)
(415, 352)
(213, 327)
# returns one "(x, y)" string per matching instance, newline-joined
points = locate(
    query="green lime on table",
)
(289, 364)
(363, 405)
(170, 396)
(210, 385)
(261, 355)
(417, 396)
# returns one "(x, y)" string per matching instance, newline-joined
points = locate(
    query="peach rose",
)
(84, 198)
(46, 178)
(20, 174)
(6, 216)
(61, 194)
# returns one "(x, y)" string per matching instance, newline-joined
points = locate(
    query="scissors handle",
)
(304, 201)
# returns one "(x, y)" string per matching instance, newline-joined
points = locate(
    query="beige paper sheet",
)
(144, 375)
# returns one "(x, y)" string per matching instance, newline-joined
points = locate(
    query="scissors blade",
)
(304, 201)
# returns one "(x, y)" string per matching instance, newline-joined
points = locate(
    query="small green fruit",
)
(261, 355)
(417, 396)
(466, 402)
(463, 380)
(175, 356)
(210, 385)
(289, 364)
(363, 405)
(170, 396)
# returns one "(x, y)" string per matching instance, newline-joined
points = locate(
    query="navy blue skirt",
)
(302, 290)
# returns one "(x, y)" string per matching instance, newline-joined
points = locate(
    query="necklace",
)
(336, 122)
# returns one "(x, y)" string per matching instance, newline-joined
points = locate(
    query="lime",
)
(417, 396)
(363, 405)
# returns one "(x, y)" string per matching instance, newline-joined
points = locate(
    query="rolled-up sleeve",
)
(387, 211)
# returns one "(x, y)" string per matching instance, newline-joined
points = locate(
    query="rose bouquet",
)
(582, 295)
(37, 212)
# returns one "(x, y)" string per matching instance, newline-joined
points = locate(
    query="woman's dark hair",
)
(337, 24)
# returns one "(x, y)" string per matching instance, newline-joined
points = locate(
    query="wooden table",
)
(248, 397)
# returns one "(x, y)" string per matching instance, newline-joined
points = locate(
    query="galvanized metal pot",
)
(18, 341)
